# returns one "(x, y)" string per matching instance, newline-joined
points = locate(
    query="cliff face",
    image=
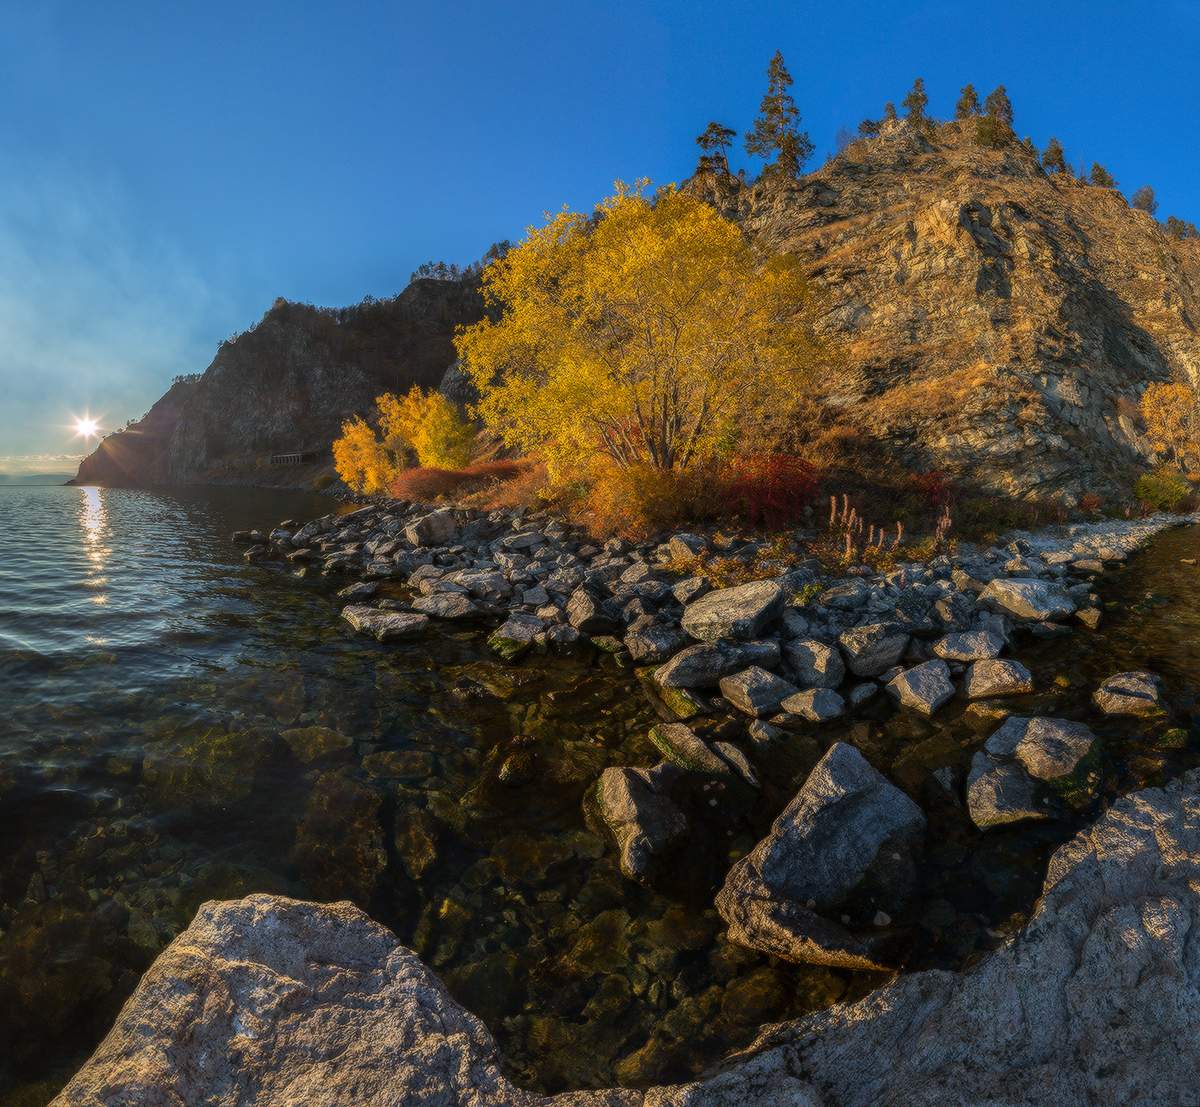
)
(995, 322)
(286, 385)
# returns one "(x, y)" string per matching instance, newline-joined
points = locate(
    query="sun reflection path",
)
(93, 520)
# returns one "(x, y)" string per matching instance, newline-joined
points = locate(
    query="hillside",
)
(990, 321)
(994, 321)
(284, 387)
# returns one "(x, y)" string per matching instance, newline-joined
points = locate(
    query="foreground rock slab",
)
(269, 1001)
(739, 613)
(386, 626)
(1136, 693)
(845, 848)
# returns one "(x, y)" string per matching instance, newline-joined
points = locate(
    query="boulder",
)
(361, 590)
(446, 605)
(586, 613)
(644, 820)
(815, 664)
(971, 645)
(817, 705)
(998, 794)
(740, 613)
(845, 848)
(1134, 693)
(997, 677)
(924, 687)
(682, 746)
(386, 626)
(1028, 598)
(654, 642)
(516, 635)
(435, 529)
(703, 665)
(755, 691)
(873, 649)
(1049, 749)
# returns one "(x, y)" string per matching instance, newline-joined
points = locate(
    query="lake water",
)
(177, 725)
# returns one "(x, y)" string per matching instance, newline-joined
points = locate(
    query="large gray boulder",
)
(923, 688)
(435, 529)
(267, 1000)
(997, 677)
(644, 820)
(740, 613)
(970, 645)
(873, 649)
(845, 848)
(1028, 598)
(703, 665)
(754, 691)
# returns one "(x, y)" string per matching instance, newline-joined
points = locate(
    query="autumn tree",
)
(1054, 159)
(1144, 200)
(651, 337)
(915, 103)
(1180, 228)
(776, 131)
(360, 458)
(1101, 177)
(714, 146)
(968, 103)
(1172, 417)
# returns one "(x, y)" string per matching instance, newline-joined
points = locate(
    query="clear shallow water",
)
(176, 725)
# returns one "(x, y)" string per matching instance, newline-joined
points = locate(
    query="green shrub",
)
(1164, 490)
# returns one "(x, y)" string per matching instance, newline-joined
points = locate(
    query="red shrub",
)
(429, 484)
(771, 490)
(935, 486)
(1090, 502)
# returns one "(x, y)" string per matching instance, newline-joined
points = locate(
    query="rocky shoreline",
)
(732, 671)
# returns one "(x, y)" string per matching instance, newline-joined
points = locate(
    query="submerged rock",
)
(386, 626)
(682, 746)
(642, 817)
(846, 846)
(1134, 693)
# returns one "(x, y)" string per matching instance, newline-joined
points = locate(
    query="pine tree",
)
(869, 128)
(1054, 160)
(998, 106)
(714, 144)
(968, 103)
(915, 103)
(776, 130)
(1101, 177)
(1180, 228)
(889, 112)
(1144, 200)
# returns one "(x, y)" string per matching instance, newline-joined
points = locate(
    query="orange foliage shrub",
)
(431, 483)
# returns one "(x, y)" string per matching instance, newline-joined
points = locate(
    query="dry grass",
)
(433, 483)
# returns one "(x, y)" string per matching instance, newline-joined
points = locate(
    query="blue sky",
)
(169, 169)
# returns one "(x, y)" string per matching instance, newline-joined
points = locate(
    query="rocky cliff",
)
(269, 1000)
(994, 321)
(285, 385)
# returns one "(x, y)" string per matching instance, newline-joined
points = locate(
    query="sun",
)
(87, 427)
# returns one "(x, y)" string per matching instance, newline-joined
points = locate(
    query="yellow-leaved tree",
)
(419, 425)
(652, 334)
(1171, 413)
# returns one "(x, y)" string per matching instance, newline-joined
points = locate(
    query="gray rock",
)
(682, 547)
(1029, 599)
(740, 613)
(586, 613)
(755, 691)
(817, 705)
(386, 626)
(997, 677)
(846, 846)
(1135, 693)
(691, 588)
(1049, 749)
(703, 665)
(446, 605)
(863, 693)
(682, 746)
(971, 645)
(644, 820)
(816, 664)
(362, 590)
(1002, 793)
(516, 635)
(655, 642)
(435, 529)
(924, 687)
(873, 649)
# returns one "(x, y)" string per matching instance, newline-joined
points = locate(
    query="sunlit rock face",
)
(994, 322)
(271, 1000)
(285, 385)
